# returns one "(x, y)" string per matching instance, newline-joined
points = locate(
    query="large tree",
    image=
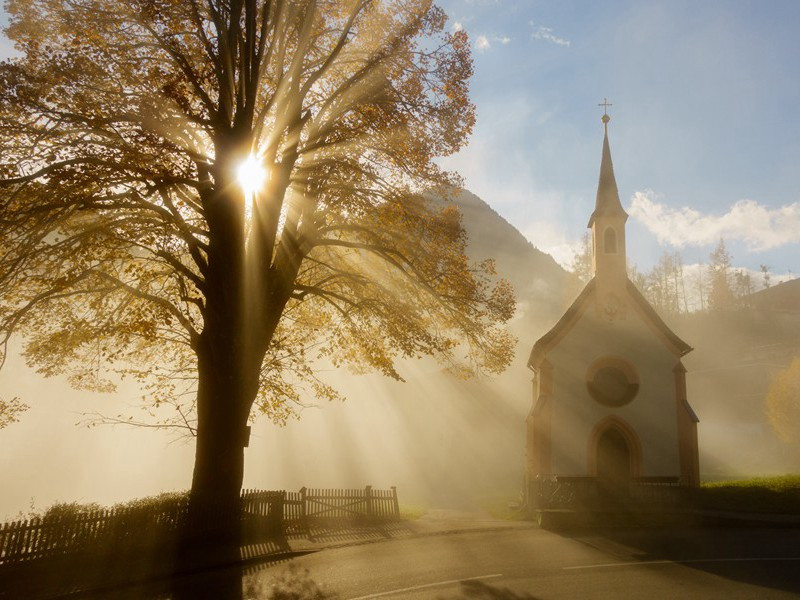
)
(130, 245)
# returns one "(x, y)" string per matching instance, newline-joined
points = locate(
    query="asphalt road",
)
(533, 564)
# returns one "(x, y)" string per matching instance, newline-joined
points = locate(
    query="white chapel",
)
(609, 403)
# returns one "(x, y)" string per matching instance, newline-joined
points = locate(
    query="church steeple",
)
(608, 220)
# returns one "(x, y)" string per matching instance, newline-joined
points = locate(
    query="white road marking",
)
(682, 562)
(422, 587)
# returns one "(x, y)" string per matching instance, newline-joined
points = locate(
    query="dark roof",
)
(607, 202)
(542, 345)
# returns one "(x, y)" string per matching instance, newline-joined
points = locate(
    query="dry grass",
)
(780, 494)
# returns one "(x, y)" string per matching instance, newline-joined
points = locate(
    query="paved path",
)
(433, 522)
(491, 560)
(448, 555)
(533, 564)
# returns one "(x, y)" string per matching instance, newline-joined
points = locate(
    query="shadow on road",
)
(478, 590)
(94, 574)
(319, 531)
(765, 557)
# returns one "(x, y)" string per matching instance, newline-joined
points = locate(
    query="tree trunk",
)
(212, 534)
(222, 410)
(228, 364)
(244, 301)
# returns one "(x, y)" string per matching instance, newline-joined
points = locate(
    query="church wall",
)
(651, 414)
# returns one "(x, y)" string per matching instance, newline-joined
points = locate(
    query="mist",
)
(443, 441)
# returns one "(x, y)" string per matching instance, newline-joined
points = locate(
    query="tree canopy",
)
(128, 244)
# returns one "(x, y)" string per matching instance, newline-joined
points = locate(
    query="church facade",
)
(610, 403)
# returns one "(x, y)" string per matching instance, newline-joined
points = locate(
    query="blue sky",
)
(705, 116)
(705, 133)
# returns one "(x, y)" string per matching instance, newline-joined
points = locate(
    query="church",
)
(609, 406)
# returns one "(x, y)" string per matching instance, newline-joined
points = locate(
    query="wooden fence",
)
(109, 530)
(316, 504)
(117, 531)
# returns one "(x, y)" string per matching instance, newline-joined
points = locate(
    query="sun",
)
(251, 176)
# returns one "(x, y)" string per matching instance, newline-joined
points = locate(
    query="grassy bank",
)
(779, 494)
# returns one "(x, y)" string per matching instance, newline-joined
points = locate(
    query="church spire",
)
(608, 221)
(607, 202)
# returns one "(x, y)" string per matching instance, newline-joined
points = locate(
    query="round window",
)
(611, 386)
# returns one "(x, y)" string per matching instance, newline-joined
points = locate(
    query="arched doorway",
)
(614, 459)
(613, 463)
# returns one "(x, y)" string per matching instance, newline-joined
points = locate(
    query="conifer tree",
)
(720, 293)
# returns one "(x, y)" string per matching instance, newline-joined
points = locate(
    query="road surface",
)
(532, 564)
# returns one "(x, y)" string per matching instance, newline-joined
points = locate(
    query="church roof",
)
(607, 202)
(545, 343)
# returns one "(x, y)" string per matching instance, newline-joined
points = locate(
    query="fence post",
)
(368, 496)
(276, 511)
(303, 511)
(395, 503)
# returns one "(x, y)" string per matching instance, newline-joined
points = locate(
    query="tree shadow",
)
(478, 590)
(293, 584)
(745, 554)
(334, 530)
(203, 570)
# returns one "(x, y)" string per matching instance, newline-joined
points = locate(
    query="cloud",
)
(546, 34)
(482, 43)
(759, 227)
(457, 26)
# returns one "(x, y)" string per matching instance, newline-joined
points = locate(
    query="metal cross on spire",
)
(605, 104)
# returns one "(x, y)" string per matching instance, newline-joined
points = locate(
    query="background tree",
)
(582, 263)
(720, 293)
(639, 279)
(665, 283)
(700, 287)
(765, 275)
(664, 286)
(131, 243)
(743, 287)
(783, 404)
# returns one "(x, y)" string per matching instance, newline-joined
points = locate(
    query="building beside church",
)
(610, 407)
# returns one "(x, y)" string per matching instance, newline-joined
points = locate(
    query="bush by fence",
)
(143, 526)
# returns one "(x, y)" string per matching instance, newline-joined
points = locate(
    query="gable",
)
(579, 306)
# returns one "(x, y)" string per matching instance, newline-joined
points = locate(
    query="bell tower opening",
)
(610, 241)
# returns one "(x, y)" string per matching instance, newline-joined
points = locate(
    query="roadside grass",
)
(411, 512)
(503, 507)
(779, 494)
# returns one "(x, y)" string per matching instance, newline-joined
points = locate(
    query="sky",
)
(704, 132)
